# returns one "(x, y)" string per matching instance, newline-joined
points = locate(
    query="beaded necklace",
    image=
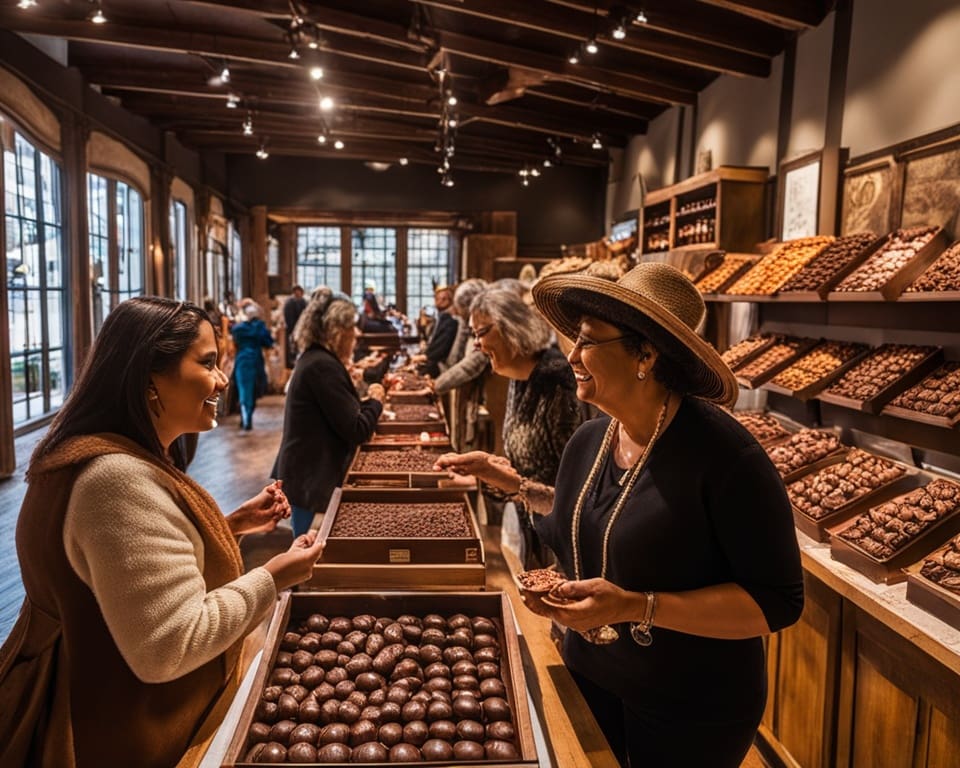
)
(606, 633)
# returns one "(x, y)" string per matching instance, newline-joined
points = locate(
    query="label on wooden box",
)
(399, 556)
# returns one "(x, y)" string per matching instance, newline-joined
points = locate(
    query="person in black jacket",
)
(444, 334)
(324, 419)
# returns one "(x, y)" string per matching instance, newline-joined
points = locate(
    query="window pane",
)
(374, 263)
(53, 248)
(50, 186)
(17, 318)
(428, 263)
(318, 257)
(56, 378)
(54, 319)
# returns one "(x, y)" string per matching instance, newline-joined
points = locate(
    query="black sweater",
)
(323, 423)
(708, 508)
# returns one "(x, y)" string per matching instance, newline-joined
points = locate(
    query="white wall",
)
(903, 78)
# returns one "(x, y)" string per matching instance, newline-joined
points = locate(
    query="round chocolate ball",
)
(280, 732)
(483, 626)
(492, 687)
(390, 712)
(310, 642)
(466, 707)
(405, 753)
(443, 729)
(363, 731)
(415, 732)
(349, 712)
(329, 711)
(463, 667)
(334, 753)
(495, 708)
(312, 676)
(304, 732)
(343, 689)
(272, 752)
(259, 733)
(470, 730)
(317, 622)
(283, 659)
(390, 734)
(324, 691)
(439, 710)
(497, 749)
(369, 752)
(435, 750)
(430, 653)
(369, 681)
(341, 625)
(302, 752)
(413, 710)
(335, 733)
(377, 697)
(372, 714)
(398, 694)
(287, 707)
(290, 641)
(359, 698)
(501, 729)
(468, 750)
(487, 669)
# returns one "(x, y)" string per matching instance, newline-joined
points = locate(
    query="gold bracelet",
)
(640, 630)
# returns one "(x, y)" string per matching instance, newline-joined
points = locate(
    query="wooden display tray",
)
(900, 279)
(823, 290)
(734, 276)
(909, 414)
(934, 599)
(929, 296)
(813, 389)
(408, 440)
(819, 529)
(423, 396)
(875, 404)
(806, 469)
(297, 606)
(395, 478)
(764, 376)
(890, 570)
(774, 338)
(397, 427)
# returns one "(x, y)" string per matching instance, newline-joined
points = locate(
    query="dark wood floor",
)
(230, 463)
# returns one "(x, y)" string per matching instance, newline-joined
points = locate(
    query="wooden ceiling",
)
(390, 66)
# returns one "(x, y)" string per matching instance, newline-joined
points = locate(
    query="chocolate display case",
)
(388, 466)
(815, 281)
(772, 360)
(940, 281)
(412, 418)
(769, 274)
(817, 369)
(424, 438)
(935, 400)
(934, 583)
(806, 451)
(295, 609)
(719, 278)
(882, 375)
(918, 527)
(894, 265)
(412, 539)
(746, 350)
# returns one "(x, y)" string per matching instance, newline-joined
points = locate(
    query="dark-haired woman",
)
(136, 603)
(324, 419)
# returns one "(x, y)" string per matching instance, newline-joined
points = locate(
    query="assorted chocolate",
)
(839, 485)
(540, 580)
(773, 270)
(938, 394)
(411, 413)
(817, 364)
(834, 258)
(437, 520)
(773, 356)
(376, 690)
(714, 280)
(406, 380)
(901, 246)
(879, 370)
(802, 449)
(762, 426)
(743, 349)
(402, 460)
(942, 275)
(887, 528)
(943, 566)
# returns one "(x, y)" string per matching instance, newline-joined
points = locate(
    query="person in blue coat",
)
(251, 337)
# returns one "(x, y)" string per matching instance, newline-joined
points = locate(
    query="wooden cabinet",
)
(718, 209)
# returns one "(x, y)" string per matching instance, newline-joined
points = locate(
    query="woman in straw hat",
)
(670, 522)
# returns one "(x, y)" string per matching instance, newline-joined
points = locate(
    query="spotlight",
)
(547, 163)
(597, 144)
(619, 32)
(262, 152)
(525, 181)
(232, 101)
(326, 104)
(294, 53)
(25, 4)
(225, 74)
(322, 138)
(452, 122)
(523, 172)
(403, 161)
(574, 57)
(451, 100)
(591, 46)
(316, 73)
(97, 16)
(534, 172)
(338, 144)
(447, 180)
(641, 17)
(248, 126)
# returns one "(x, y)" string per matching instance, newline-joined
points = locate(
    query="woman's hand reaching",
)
(587, 604)
(262, 512)
(493, 470)
(295, 565)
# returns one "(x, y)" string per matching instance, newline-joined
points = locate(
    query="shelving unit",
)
(720, 209)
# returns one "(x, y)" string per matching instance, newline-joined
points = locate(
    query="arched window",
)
(36, 277)
(115, 212)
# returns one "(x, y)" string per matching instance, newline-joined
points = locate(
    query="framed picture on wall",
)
(799, 196)
(870, 192)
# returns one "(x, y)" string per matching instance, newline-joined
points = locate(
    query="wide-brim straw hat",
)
(657, 301)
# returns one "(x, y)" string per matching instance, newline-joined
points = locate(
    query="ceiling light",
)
(547, 163)
(641, 17)
(225, 74)
(403, 161)
(24, 4)
(338, 144)
(534, 172)
(326, 103)
(322, 138)
(591, 46)
(316, 73)
(619, 32)
(597, 144)
(248, 125)
(574, 57)
(451, 100)
(523, 172)
(447, 180)
(232, 101)
(525, 181)
(97, 16)
(294, 53)
(452, 122)
(262, 152)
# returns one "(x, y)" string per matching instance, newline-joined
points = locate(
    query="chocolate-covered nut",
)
(290, 641)
(412, 633)
(317, 622)
(253, 753)
(329, 640)
(492, 687)
(390, 734)
(468, 750)
(356, 637)
(485, 641)
(302, 752)
(407, 668)
(370, 752)
(283, 676)
(435, 750)
(272, 693)
(345, 649)
(324, 691)
(455, 653)
(335, 733)
(266, 711)
(435, 621)
(310, 642)
(259, 733)
(502, 730)
(358, 664)
(349, 713)
(497, 749)
(439, 710)
(470, 693)
(415, 732)
(387, 659)
(422, 696)
(466, 707)
(363, 731)
(304, 732)
(326, 659)
(283, 659)
(369, 681)
(468, 682)
(341, 625)
(433, 636)
(393, 633)
(430, 654)
(438, 684)
(495, 708)
(334, 753)
(459, 620)
(487, 669)
(371, 713)
(462, 667)
(377, 697)
(287, 707)
(309, 710)
(413, 710)
(359, 698)
(398, 694)
(272, 752)
(375, 643)
(329, 711)
(336, 675)
(437, 669)
(462, 637)
(483, 626)
(281, 730)
(297, 691)
(411, 651)
(344, 688)
(390, 712)
(471, 730)
(312, 676)
(405, 753)
(442, 729)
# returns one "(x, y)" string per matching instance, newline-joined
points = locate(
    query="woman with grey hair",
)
(542, 410)
(324, 419)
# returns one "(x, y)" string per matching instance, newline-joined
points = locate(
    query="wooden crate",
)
(823, 290)
(295, 607)
(388, 426)
(367, 478)
(751, 382)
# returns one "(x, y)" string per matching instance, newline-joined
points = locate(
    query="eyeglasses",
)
(479, 333)
(583, 342)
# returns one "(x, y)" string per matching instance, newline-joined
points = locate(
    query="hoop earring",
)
(641, 374)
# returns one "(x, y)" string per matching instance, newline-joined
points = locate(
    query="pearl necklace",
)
(607, 634)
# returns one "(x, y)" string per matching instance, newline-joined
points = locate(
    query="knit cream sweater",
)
(128, 539)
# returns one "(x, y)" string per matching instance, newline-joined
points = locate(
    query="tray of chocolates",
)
(404, 386)
(764, 427)
(424, 438)
(882, 375)
(935, 400)
(744, 351)
(732, 267)
(769, 274)
(806, 451)
(400, 538)
(893, 534)
(376, 679)
(934, 583)
(940, 281)
(891, 267)
(835, 262)
(400, 418)
(772, 360)
(817, 369)
(838, 491)
(385, 466)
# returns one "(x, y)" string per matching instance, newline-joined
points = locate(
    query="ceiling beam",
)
(789, 14)
(577, 26)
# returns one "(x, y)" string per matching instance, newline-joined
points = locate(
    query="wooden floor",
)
(230, 463)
